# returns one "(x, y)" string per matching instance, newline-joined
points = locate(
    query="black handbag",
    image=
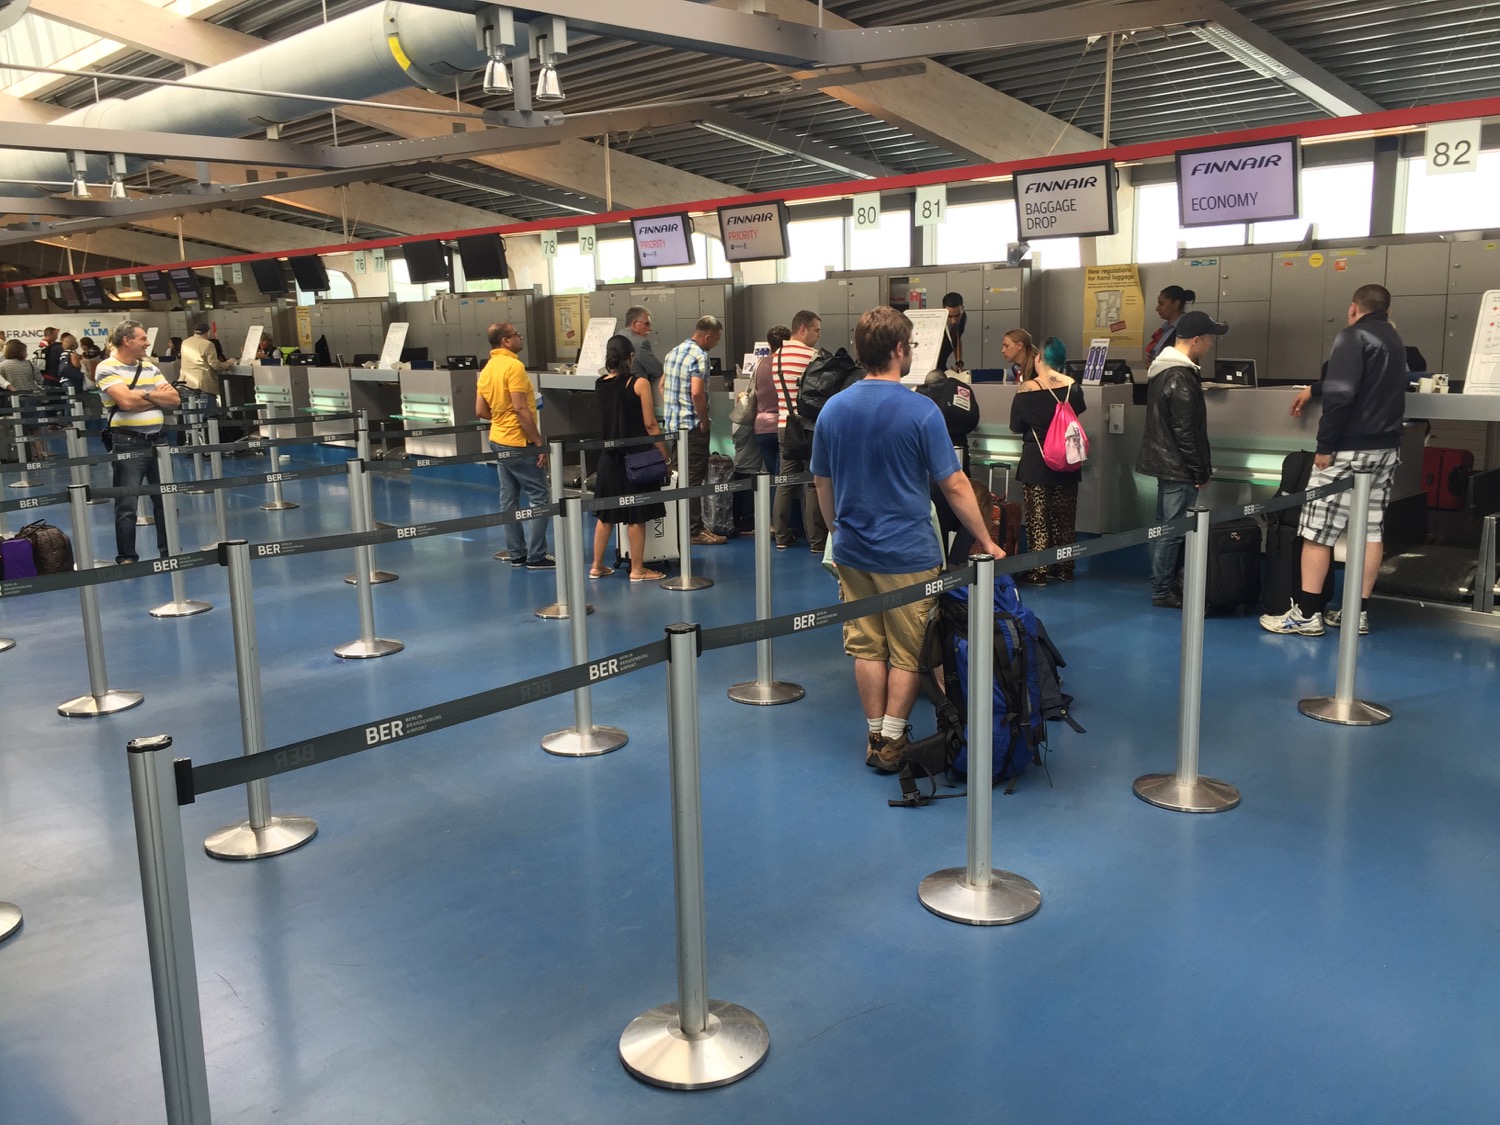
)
(645, 468)
(797, 434)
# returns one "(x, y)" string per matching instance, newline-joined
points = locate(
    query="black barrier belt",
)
(430, 431)
(396, 534)
(727, 635)
(340, 416)
(25, 502)
(792, 478)
(102, 575)
(69, 462)
(398, 728)
(1280, 503)
(605, 503)
(214, 484)
(43, 418)
(411, 462)
(615, 443)
(257, 443)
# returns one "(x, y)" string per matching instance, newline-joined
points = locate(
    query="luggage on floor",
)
(1283, 562)
(17, 559)
(51, 545)
(1445, 477)
(661, 535)
(718, 507)
(1233, 565)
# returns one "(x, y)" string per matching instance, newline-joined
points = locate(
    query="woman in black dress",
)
(627, 410)
(1050, 496)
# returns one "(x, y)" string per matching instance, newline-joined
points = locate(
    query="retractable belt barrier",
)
(255, 443)
(316, 416)
(212, 484)
(101, 575)
(41, 417)
(288, 547)
(70, 462)
(27, 502)
(580, 444)
(460, 459)
(431, 431)
(605, 503)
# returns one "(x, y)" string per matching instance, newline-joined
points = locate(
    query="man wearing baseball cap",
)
(1175, 447)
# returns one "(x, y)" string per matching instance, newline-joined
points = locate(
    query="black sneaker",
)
(1170, 600)
(546, 562)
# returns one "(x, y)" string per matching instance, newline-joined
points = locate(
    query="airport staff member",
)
(952, 346)
(506, 397)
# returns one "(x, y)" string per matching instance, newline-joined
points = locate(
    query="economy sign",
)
(753, 232)
(1243, 184)
(1072, 202)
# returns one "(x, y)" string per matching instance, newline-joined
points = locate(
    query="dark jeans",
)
(812, 514)
(697, 474)
(1173, 498)
(128, 474)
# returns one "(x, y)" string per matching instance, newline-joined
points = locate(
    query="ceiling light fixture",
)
(1241, 51)
(496, 73)
(548, 86)
(78, 165)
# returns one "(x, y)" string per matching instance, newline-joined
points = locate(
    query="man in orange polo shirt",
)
(506, 397)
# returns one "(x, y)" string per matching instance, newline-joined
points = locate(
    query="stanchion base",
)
(766, 695)
(685, 582)
(281, 506)
(558, 612)
(145, 521)
(6, 644)
(376, 577)
(10, 919)
(654, 1049)
(92, 706)
(180, 609)
(1205, 795)
(359, 650)
(1009, 897)
(25, 482)
(573, 743)
(280, 835)
(1355, 713)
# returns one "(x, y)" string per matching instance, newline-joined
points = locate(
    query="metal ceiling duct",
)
(361, 55)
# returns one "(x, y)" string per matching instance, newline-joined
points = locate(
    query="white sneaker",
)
(1331, 619)
(1292, 621)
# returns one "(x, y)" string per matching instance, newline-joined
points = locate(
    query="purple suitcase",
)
(17, 559)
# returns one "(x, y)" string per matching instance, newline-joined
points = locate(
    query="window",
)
(616, 261)
(888, 246)
(976, 232)
(1157, 232)
(711, 262)
(1057, 253)
(1337, 199)
(817, 247)
(1453, 202)
(572, 270)
(401, 285)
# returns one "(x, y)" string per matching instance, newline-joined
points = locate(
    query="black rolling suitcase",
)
(1234, 565)
(1283, 577)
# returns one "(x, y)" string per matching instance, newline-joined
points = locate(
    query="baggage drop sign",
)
(1073, 202)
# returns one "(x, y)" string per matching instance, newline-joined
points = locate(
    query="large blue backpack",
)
(1027, 691)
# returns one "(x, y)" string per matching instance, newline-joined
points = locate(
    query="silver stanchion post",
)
(100, 700)
(583, 739)
(765, 689)
(169, 930)
(25, 480)
(216, 467)
(179, 606)
(1341, 707)
(262, 834)
(1185, 790)
(977, 894)
(558, 610)
(685, 579)
(696, 1042)
(278, 503)
(194, 431)
(369, 645)
(362, 451)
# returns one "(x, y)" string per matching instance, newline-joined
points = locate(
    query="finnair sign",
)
(663, 240)
(753, 231)
(1074, 202)
(1244, 184)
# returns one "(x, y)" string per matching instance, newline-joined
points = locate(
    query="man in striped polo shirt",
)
(135, 393)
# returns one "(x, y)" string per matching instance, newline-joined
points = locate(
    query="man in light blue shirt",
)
(877, 450)
(684, 388)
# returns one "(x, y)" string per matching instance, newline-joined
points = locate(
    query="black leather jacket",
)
(1176, 443)
(1364, 391)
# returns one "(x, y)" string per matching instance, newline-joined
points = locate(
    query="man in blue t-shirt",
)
(877, 450)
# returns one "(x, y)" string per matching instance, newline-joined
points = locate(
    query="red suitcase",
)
(1445, 477)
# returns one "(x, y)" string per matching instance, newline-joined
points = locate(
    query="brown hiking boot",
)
(872, 755)
(887, 756)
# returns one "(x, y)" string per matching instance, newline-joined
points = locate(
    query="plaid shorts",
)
(1324, 519)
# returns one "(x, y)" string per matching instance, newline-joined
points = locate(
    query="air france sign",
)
(1243, 184)
(1074, 202)
(753, 232)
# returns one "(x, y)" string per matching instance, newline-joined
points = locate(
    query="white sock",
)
(874, 725)
(892, 727)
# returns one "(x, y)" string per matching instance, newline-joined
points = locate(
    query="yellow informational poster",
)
(304, 328)
(568, 324)
(1113, 308)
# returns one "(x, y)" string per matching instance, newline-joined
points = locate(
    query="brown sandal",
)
(648, 576)
(601, 572)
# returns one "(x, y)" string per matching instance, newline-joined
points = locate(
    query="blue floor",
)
(477, 921)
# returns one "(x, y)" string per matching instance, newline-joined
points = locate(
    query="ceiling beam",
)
(129, 246)
(737, 126)
(506, 187)
(146, 27)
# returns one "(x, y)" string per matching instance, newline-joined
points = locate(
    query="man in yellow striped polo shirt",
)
(135, 392)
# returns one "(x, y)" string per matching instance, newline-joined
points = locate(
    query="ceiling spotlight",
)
(80, 188)
(496, 73)
(116, 189)
(78, 164)
(548, 86)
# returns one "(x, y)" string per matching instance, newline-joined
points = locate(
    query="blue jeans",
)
(1173, 498)
(128, 474)
(520, 476)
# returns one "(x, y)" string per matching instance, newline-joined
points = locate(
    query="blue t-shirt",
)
(883, 446)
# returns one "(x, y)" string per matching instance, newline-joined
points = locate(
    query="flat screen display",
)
(91, 289)
(20, 298)
(426, 262)
(186, 284)
(663, 240)
(67, 294)
(311, 274)
(483, 257)
(1241, 184)
(155, 285)
(268, 276)
(754, 232)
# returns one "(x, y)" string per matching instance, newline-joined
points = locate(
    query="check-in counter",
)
(439, 398)
(340, 390)
(283, 390)
(1484, 409)
(571, 409)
